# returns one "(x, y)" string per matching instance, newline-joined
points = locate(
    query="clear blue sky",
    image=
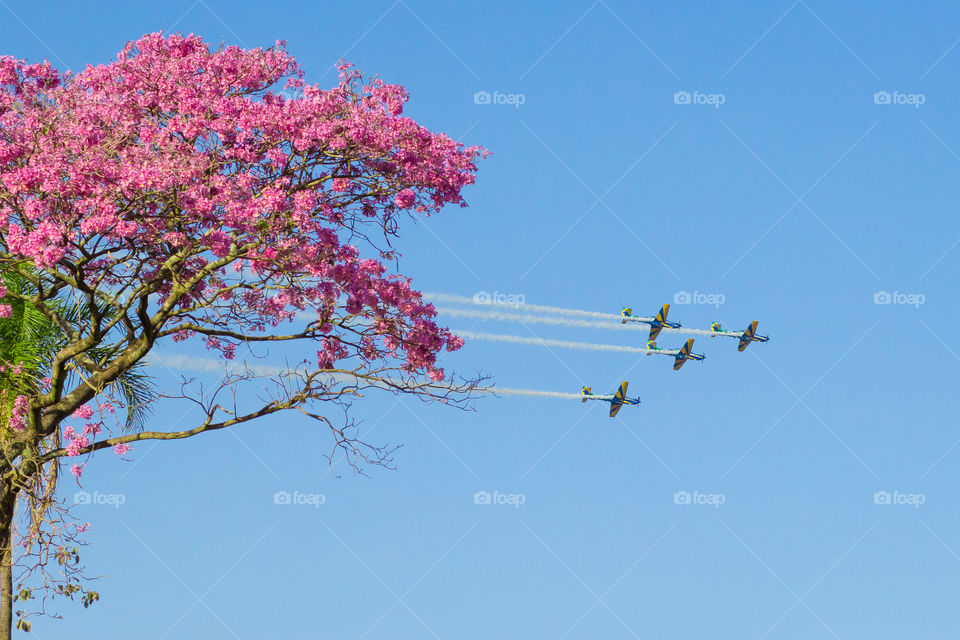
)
(798, 199)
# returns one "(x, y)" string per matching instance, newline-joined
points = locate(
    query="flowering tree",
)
(175, 194)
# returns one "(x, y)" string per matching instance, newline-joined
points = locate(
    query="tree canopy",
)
(179, 194)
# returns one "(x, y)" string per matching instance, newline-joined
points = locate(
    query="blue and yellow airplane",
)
(748, 336)
(656, 323)
(680, 356)
(616, 401)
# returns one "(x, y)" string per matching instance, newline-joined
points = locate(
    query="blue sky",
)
(798, 199)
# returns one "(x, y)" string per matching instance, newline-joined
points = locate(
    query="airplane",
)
(616, 401)
(680, 355)
(748, 336)
(656, 323)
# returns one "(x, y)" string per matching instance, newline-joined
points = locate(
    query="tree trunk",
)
(8, 500)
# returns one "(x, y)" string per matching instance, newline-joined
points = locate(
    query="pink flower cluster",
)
(76, 444)
(104, 158)
(18, 414)
(84, 412)
(5, 309)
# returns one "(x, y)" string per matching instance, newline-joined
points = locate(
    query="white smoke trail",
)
(212, 365)
(542, 342)
(496, 315)
(541, 394)
(446, 297)
(565, 322)
(531, 319)
(694, 332)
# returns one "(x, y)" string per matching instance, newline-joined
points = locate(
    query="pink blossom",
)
(405, 199)
(76, 470)
(18, 415)
(91, 428)
(76, 444)
(194, 140)
(121, 448)
(83, 412)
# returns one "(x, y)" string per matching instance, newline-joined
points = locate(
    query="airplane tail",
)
(651, 344)
(625, 312)
(586, 391)
(662, 315)
(621, 392)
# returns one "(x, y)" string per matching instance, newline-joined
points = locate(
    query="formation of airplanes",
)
(680, 356)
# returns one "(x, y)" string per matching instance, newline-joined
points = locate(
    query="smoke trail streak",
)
(541, 342)
(495, 315)
(212, 365)
(531, 319)
(541, 394)
(446, 297)
(566, 322)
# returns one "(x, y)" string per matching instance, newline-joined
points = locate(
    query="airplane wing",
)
(747, 336)
(683, 354)
(654, 331)
(615, 408)
(617, 403)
